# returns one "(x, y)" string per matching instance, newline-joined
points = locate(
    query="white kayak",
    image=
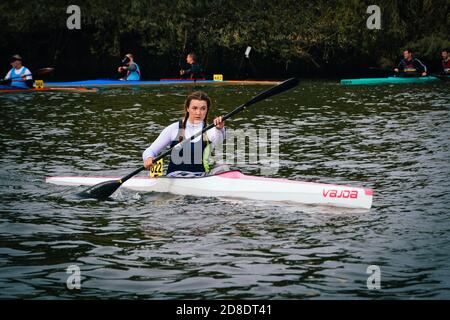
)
(234, 184)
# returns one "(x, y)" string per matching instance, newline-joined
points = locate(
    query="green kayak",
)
(389, 80)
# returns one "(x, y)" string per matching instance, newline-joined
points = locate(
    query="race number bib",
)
(157, 169)
(39, 84)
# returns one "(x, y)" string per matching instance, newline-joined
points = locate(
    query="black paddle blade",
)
(101, 191)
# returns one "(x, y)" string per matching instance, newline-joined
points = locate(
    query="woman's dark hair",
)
(198, 95)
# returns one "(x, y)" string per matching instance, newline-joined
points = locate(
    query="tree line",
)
(309, 38)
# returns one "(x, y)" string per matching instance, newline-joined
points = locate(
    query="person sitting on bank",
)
(445, 62)
(192, 69)
(411, 66)
(131, 67)
(19, 76)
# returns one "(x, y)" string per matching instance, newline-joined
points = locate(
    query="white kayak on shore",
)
(234, 184)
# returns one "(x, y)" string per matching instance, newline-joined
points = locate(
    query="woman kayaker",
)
(193, 157)
(131, 67)
(19, 75)
(411, 66)
(445, 62)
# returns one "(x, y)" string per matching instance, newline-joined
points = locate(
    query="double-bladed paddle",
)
(104, 190)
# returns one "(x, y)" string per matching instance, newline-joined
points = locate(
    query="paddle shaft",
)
(284, 86)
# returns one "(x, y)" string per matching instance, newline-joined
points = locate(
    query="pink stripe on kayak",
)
(91, 177)
(239, 175)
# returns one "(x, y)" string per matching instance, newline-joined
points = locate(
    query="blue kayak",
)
(122, 83)
(389, 80)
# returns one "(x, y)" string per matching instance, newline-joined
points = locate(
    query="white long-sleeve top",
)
(170, 133)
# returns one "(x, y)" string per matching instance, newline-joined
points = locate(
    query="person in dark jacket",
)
(411, 66)
(192, 69)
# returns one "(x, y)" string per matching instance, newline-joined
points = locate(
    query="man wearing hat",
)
(19, 75)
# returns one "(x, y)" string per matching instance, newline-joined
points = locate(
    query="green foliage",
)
(315, 32)
(430, 47)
